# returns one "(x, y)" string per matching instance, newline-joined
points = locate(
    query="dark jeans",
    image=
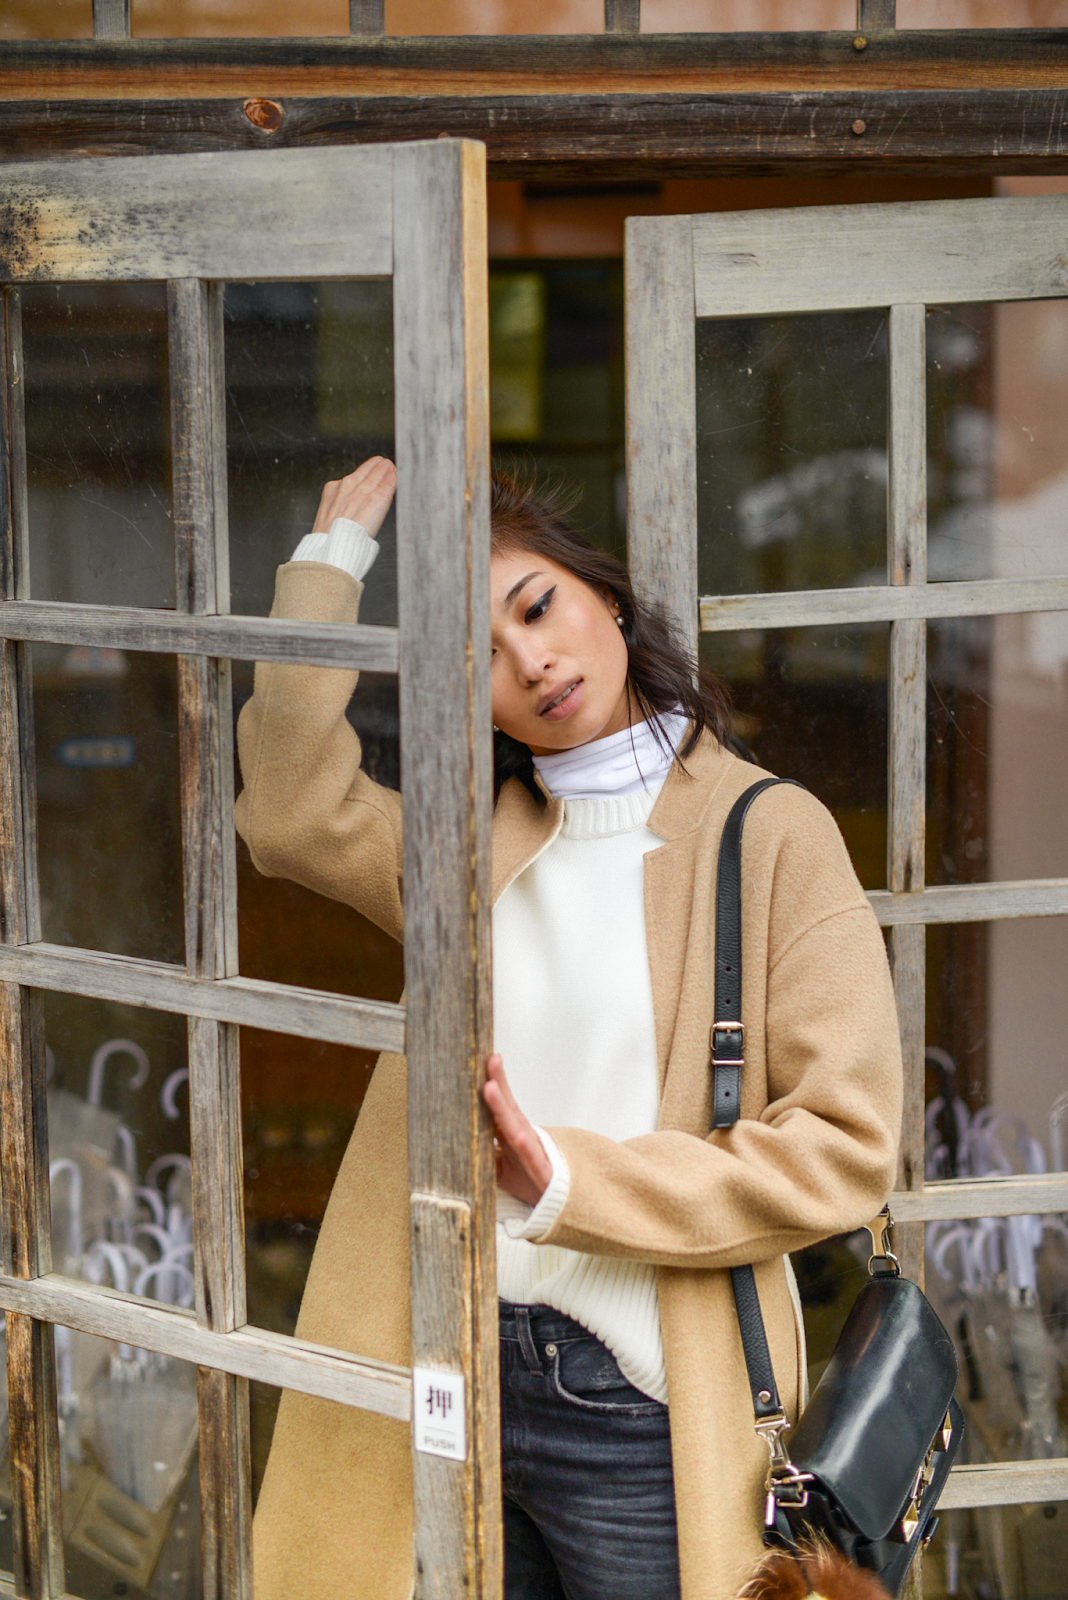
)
(589, 1501)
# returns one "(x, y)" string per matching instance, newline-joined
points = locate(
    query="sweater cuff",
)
(348, 545)
(552, 1202)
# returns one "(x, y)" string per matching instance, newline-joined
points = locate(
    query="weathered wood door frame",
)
(903, 258)
(415, 212)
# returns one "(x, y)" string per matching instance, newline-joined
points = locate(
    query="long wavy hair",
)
(662, 674)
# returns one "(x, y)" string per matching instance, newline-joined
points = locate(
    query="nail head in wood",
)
(859, 126)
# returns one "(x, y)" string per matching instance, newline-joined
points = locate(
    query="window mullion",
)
(210, 896)
(907, 778)
(27, 1250)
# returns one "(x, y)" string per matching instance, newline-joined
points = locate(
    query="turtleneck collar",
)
(625, 763)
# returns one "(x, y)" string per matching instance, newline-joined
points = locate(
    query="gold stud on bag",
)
(860, 1474)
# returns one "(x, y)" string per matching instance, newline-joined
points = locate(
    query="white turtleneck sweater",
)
(573, 1007)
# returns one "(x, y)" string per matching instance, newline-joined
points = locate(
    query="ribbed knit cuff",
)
(348, 545)
(552, 1201)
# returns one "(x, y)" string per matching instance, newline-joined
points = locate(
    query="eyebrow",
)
(517, 588)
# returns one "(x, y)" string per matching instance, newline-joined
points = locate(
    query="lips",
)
(561, 702)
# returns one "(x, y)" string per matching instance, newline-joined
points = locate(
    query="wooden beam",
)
(246, 1352)
(367, 17)
(661, 405)
(622, 16)
(25, 1221)
(198, 455)
(111, 19)
(809, 608)
(249, 1002)
(955, 1198)
(502, 66)
(970, 902)
(325, 215)
(442, 429)
(584, 136)
(1005, 1483)
(363, 647)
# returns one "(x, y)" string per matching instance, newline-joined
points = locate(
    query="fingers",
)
(364, 495)
(523, 1168)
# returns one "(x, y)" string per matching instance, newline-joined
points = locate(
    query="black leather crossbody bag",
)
(869, 1456)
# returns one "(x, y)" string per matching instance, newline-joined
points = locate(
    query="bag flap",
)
(878, 1405)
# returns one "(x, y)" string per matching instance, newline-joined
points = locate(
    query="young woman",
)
(631, 1470)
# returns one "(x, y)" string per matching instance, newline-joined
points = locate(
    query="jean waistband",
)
(545, 1323)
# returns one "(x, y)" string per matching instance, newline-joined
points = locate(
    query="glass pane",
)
(998, 1551)
(997, 385)
(556, 385)
(309, 395)
(811, 704)
(131, 1493)
(98, 443)
(108, 817)
(118, 1147)
(791, 452)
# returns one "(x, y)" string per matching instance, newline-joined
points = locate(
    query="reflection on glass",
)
(131, 1494)
(309, 395)
(556, 384)
(999, 1550)
(109, 845)
(118, 1147)
(791, 452)
(97, 443)
(811, 705)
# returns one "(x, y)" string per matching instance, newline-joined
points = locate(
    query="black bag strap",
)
(727, 1051)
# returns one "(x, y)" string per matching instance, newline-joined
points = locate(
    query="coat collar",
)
(688, 790)
(521, 830)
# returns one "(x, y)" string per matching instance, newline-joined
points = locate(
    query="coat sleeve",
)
(821, 1157)
(308, 811)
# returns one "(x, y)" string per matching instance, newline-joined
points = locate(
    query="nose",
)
(531, 664)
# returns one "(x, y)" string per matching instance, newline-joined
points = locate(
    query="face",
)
(559, 672)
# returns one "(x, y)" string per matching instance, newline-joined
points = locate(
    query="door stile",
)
(661, 417)
(198, 450)
(907, 778)
(27, 1245)
(442, 433)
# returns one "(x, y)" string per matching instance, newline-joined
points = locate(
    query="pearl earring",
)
(619, 620)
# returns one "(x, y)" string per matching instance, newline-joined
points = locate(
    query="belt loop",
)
(526, 1338)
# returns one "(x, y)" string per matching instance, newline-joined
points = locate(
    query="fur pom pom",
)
(817, 1572)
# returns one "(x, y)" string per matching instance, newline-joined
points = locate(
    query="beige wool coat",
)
(812, 1155)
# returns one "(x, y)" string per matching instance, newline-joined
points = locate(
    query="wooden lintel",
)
(588, 137)
(504, 65)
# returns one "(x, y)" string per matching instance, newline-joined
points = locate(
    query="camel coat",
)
(812, 1155)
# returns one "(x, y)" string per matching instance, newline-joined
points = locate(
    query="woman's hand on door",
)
(523, 1168)
(364, 496)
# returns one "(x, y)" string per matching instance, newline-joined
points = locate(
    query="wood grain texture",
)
(225, 1476)
(876, 14)
(562, 65)
(313, 215)
(111, 19)
(36, 1505)
(983, 1197)
(800, 608)
(205, 742)
(25, 1218)
(661, 424)
(973, 902)
(250, 1002)
(831, 258)
(247, 1352)
(367, 16)
(319, 644)
(582, 136)
(622, 16)
(442, 433)
(1006, 1483)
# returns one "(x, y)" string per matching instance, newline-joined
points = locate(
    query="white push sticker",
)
(438, 1401)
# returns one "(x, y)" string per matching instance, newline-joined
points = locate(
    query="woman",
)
(630, 1464)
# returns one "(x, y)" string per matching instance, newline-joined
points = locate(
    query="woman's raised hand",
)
(523, 1168)
(365, 496)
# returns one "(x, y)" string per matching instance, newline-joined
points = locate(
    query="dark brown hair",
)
(662, 675)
